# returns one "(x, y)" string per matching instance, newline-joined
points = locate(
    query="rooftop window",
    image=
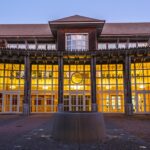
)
(77, 41)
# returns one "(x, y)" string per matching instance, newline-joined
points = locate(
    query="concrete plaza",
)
(18, 132)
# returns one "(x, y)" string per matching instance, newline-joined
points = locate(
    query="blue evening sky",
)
(42, 11)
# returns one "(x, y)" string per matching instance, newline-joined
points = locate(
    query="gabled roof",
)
(76, 21)
(77, 18)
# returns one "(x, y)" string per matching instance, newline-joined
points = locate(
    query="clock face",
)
(76, 77)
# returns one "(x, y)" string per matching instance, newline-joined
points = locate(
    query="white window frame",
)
(77, 34)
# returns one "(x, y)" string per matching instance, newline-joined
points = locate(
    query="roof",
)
(25, 30)
(76, 21)
(126, 29)
(77, 18)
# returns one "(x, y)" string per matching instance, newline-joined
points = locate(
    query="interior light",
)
(45, 87)
(142, 86)
(12, 86)
(77, 87)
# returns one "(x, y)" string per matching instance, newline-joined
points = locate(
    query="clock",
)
(77, 77)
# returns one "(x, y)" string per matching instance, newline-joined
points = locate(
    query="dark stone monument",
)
(75, 127)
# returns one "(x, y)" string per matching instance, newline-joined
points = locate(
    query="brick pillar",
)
(27, 86)
(60, 84)
(127, 86)
(93, 83)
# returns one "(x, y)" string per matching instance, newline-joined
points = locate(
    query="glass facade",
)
(44, 88)
(140, 80)
(77, 88)
(110, 89)
(11, 88)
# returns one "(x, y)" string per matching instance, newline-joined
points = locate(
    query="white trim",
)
(78, 33)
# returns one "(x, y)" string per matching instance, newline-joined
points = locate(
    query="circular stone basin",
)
(85, 127)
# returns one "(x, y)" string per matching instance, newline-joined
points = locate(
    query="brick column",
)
(27, 86)
(127, 86)
(93, 83)
(60, 83)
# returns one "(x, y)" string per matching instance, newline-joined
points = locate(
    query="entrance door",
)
(113, 103)
(116, 102)
(77, 103)
(143, 102)
(11, 103)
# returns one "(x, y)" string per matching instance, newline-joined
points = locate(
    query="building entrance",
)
(112, 103)
(77, 102)
(11, 102)
(142, 102)
(77, 88)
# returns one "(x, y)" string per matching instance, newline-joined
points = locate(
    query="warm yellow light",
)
(12, 86)
(107, 87)
(76, 87)
(45, 87)
(142, 86)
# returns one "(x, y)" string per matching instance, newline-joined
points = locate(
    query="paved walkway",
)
(33, 133)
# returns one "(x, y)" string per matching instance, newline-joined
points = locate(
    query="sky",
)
(42, 11)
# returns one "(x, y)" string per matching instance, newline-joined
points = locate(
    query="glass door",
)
(112, 103)
(77, 88)
(143, 102)
(77, 102)
(11, 103)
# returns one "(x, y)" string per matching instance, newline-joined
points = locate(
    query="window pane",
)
(76, 42)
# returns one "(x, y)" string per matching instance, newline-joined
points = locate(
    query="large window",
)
(44, 88)
(77, 88)
(140, 80)
(77, 42)
(11, 87)
(110, 90)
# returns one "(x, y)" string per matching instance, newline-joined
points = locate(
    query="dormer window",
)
(77, 42)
